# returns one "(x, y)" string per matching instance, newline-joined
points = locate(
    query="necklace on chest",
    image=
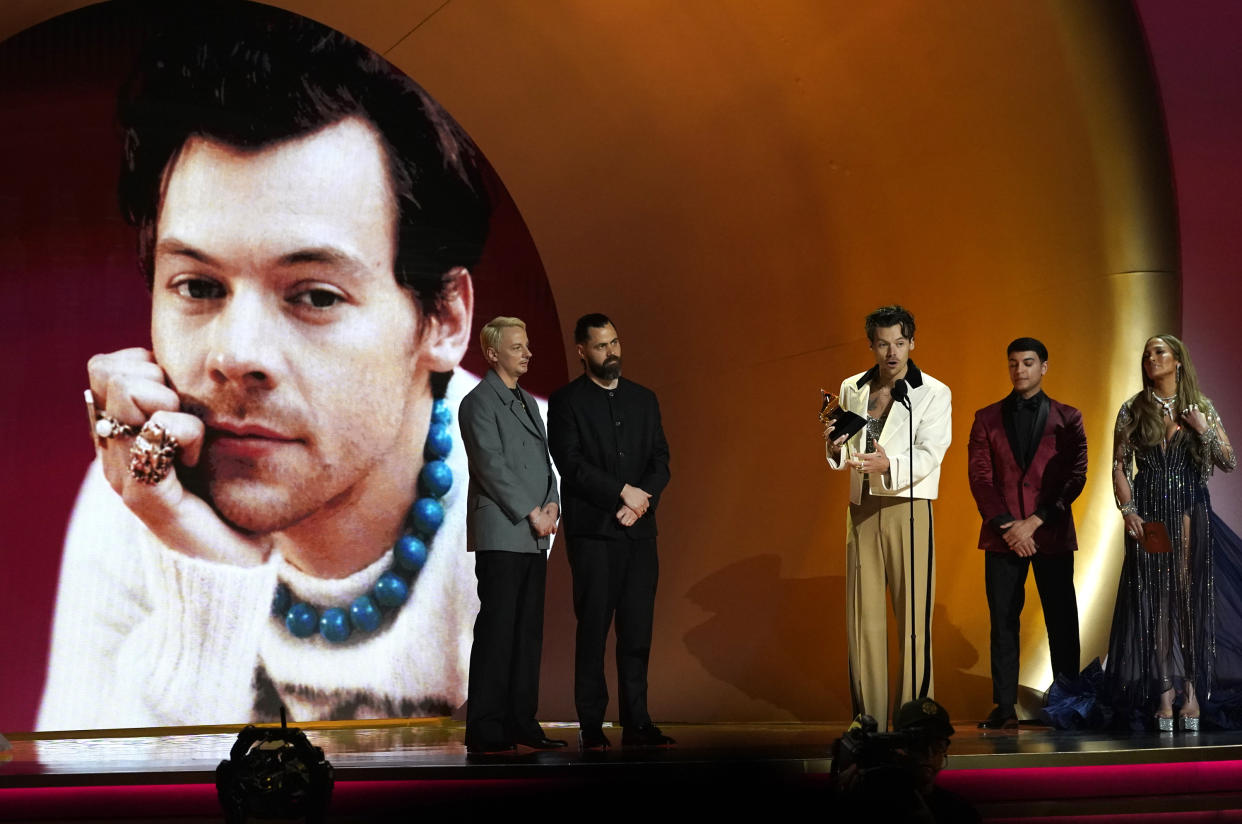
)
(1166, 404)
(1166, 411)
(367, 612)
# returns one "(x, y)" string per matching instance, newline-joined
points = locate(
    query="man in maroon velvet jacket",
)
(1027, 464)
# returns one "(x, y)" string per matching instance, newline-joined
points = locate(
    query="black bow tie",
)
(1029, 404)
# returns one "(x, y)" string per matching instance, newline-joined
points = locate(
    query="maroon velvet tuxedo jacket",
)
(1005, 490)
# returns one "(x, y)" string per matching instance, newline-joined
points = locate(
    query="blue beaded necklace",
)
(366, 612)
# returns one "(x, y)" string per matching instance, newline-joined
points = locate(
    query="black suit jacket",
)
(600, 443)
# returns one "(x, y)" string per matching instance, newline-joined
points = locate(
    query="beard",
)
(249, 497)
(609, 370)
(255, 496)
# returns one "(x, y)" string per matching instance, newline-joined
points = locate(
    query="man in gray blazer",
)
(512, 509)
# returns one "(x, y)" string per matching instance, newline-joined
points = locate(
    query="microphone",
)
(901, 393)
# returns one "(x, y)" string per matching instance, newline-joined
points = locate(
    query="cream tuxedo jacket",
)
(931, 403)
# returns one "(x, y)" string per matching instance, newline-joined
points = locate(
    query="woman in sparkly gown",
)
(1162, 651)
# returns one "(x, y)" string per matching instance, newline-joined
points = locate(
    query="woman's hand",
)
(1195, 419)
(1134, 526)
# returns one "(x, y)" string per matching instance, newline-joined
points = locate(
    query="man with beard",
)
(272, 518)
(885, 472)
(609, 446)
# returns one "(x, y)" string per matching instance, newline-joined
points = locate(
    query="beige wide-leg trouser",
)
(878, 558)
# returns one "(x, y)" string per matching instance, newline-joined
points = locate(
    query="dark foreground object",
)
(274, 772)
(391, 771)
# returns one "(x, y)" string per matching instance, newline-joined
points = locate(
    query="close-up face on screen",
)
(260, 249)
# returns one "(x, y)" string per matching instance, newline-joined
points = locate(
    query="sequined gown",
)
(1165, 626)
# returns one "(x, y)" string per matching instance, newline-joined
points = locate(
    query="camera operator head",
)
(926, 728)
(891, 776)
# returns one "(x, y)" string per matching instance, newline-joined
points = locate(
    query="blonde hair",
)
(489, 335)
(1146, 425)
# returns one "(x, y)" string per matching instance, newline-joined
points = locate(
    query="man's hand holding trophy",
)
(839, 424)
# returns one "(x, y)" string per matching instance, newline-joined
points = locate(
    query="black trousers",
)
(503, 695)
(613, 578)
(1005, 579)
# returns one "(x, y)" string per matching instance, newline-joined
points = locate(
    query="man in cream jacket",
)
(882, 469)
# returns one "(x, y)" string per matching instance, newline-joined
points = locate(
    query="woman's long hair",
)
(1146, 426)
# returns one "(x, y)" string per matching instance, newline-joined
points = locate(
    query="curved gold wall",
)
(737, 183)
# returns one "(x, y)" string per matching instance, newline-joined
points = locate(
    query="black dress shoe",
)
(491, 748)
(542, 743)
(646, 735)
(1000, 718)
(592, 738)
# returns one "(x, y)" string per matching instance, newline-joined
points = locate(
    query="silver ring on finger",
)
(103, 425)
(152, 454)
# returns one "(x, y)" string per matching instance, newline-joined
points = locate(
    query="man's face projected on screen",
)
(278, 320)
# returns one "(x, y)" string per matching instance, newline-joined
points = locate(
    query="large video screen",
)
(259, 233)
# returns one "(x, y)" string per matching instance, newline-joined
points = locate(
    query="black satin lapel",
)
(1007, 416)
(1041, 421)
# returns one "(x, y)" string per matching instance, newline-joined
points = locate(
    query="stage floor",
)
(433, 748)
(430, 748)
(1009, 775)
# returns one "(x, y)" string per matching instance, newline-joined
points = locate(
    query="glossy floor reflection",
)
(433, 749)
(1045, 747)
(428, 748)
(386, 769)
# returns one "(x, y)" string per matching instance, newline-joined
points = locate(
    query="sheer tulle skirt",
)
(1177, 620)
(1222, 706)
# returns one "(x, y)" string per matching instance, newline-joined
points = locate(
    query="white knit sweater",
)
(146, 636)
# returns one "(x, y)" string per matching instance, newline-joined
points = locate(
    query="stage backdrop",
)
(737, 184)
(1199, 72)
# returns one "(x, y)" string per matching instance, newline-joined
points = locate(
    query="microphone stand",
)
(901, 394)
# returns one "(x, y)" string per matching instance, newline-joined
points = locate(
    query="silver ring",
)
(103, 425)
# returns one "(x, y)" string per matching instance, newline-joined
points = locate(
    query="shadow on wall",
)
(764, 624)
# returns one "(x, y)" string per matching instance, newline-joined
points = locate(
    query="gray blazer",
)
(510, 470)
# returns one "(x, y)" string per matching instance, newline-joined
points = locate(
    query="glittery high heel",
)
(1164, 723)
(1188, 718)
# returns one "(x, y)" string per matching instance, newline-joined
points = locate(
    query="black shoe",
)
(592, 738)
(645, 735)
(491, 748)
(542, 743)
(1000, 718)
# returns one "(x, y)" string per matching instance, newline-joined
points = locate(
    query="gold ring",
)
(152, 453)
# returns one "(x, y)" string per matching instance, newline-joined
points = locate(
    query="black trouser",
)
(618, 578)
(1005, 579)
(503, 697)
